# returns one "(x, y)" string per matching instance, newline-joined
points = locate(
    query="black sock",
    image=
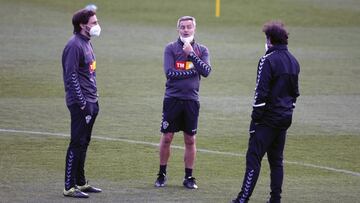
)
(188, 172)
(162, 169)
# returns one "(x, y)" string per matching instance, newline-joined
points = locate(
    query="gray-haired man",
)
(185, 61)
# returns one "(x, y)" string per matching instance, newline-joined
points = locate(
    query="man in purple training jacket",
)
(275, 96)
(79, 65)
(185, 61)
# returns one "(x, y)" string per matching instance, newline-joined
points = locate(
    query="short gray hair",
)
(186, 18)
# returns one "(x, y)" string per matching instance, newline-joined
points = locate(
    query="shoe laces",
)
(161, 176)
(71, 190)
(191, 179)
(85, 186)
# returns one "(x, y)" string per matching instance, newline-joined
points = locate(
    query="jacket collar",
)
(182, 43)
(277, 47)
(85, 38)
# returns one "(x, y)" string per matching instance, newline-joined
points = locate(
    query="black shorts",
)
(180, 115)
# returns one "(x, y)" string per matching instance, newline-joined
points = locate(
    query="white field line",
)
(180, 147)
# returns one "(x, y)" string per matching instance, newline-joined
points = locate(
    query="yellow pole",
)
(217, 8)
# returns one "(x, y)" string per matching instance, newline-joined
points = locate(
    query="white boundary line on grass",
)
(179, 147)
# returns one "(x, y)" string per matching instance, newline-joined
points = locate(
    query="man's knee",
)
(167, 139)
(275, 160)
(276, 163)
(189, 140)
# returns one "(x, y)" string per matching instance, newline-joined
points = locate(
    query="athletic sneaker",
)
(161, 180)
(88, 188)
(190, 183)
(234, 201)
(270, 200)
(74, 192)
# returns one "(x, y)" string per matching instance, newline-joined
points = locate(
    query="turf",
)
(325, 132)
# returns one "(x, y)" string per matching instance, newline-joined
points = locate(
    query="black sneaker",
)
(271, 200)
(88, 188)
(190, 183)
(161, 180)
(75, 193)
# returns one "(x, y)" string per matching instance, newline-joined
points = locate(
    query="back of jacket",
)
(276, 88)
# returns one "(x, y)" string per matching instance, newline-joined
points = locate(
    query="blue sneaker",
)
(88, 188)
(74, 192)
(190, 183)
(238, 200)
(161, 180)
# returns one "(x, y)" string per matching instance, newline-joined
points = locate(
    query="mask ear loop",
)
(267, 42)
(266, 47)
(84, 26)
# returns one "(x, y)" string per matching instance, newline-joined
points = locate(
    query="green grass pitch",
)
(322, 162)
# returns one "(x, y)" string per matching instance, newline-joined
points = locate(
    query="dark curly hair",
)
(276, 32)
(81, 16)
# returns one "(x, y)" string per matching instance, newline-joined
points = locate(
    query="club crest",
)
(165, 124)
(88, 119)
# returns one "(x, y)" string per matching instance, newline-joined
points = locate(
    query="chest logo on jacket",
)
(92, 66)
(184, 65)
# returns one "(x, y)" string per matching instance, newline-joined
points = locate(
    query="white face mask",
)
(187, 39)
(95, 31)
(266, 47)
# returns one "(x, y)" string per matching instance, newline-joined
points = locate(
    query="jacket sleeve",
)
(170, 70)
(296, 90)
(72, 56)
(262, 89)
(202, 65)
